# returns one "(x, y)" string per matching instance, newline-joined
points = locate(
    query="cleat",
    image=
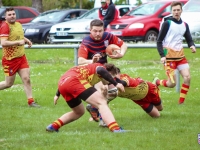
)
(180, 102)
(34, 104)
(50, 128)
(93, 112)
(102, 123)
(154, 80)
(122, 131)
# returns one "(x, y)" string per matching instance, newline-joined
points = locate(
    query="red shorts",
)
(153, 97)
(71, 87)
(12, 66)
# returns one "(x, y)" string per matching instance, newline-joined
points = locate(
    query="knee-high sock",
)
(183, 93)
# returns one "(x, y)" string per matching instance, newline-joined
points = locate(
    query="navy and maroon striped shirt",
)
(89, 47)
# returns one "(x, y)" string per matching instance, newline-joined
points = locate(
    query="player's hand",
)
(120, 87)
(193, 49)
(55, 99)
(96, 58)
(163, 60)
(21, 42)
(27, 41)
(117, 55)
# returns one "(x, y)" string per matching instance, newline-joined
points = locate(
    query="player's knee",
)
(187, 79)
(26, 80)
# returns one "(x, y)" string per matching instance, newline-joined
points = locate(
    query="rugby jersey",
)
(89, 47)
(170, 39)
(12, 32)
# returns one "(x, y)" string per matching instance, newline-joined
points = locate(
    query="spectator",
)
(72, 15)
(102, 9)
(110, 13)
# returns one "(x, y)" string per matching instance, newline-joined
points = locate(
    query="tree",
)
(38, 5)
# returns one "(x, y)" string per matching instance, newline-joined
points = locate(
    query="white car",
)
(191, 11)
(76, 30)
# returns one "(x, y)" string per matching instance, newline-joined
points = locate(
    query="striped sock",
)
(183, 93)
(30, 100)
(161, 83)
(113, 126)
(57, 124)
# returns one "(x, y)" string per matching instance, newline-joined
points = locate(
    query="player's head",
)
(108, 2)
(103, 3)
(96, 29)
(10, 15)
(176, 9)
(111, 68)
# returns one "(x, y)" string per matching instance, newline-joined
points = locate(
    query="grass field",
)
(22, 127)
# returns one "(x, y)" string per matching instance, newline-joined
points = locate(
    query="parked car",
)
(23, 14)
(191, 11)
(143, 22)
(77, 29)
(38, 29)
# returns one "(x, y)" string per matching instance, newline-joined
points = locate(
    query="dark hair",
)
(96, 22)
(9, 9)
(175, 3)
(111, 68)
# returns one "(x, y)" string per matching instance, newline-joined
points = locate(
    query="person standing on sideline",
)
(102, 9)
(110, 13)
(92, 50)
(170, 48)
(76, 85)
(14, 59)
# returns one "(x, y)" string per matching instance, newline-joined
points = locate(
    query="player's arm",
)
(106, 75)
(5, 42)
(121, 81)
(161, 36)
(189, 40)
(5, 31)
(27, 41)
(56, 97)
(123, 48)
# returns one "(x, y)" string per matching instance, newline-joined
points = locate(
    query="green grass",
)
(24, 128)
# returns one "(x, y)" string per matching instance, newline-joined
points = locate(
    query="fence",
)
(76, 46)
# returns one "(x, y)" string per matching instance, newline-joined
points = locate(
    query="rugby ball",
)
(112, 92)
(112, 49)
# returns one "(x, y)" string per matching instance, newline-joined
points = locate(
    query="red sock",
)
(30, 100)
(161, 82)
(57, 124)
(113, 126)
(183, 93)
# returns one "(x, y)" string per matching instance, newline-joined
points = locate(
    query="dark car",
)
(23, 14)
(38, 29)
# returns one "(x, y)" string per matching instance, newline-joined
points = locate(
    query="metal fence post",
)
(76, 56)
(177, 81)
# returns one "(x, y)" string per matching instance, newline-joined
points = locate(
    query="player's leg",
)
(170, 82)
(9, 72)
(24, 73)
(98, 100)
(9, 81)
(184, 70)
(77, 111)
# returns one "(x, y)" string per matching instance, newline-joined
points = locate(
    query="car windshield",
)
(192, 6)
(52, 17)
(92, 14)
(146, 9)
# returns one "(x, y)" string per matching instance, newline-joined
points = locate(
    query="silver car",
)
(76, 30)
